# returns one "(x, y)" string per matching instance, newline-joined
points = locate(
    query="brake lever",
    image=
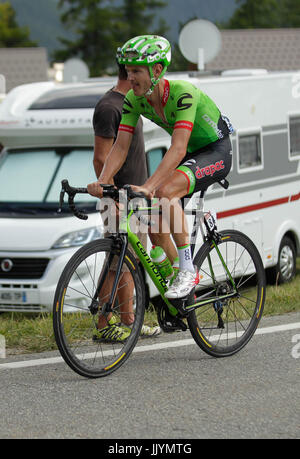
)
(133, 194)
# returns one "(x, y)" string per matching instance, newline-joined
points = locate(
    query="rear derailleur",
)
(222, 289)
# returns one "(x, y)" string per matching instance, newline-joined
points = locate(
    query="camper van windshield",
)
(31, 178)
(69, 98)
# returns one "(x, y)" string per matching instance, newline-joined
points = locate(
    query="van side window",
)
(294, 133)
(249, 151)
(154, 157)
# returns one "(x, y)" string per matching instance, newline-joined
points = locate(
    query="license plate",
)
(13, 297)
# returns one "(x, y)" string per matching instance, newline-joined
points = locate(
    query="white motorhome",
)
(46, 130)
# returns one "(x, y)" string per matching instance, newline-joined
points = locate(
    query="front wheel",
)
(233, 286)
(77, 309)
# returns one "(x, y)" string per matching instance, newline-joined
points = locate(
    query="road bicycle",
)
(222, 313)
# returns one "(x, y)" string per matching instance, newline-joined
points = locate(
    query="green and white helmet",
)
(146, 50)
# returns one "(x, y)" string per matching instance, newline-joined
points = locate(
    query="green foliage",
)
(92, 26)
(135, 18)
(11, 35)
(255, 14)
(264, 14)
(100, 27)
(290, 13)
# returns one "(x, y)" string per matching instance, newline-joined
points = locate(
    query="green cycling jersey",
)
(185, 106)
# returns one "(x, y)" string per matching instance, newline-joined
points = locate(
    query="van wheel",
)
(285, 269)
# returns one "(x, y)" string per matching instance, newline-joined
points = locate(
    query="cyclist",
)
(200, 151)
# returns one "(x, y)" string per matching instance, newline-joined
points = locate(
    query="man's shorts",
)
(206, 166)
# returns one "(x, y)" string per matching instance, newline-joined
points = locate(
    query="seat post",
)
(198, 213)
(201, 199)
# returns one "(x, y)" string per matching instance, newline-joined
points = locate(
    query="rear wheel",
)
(76, 312)
(224, 326)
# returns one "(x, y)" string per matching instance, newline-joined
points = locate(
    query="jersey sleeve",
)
(186, 100)
(130, 114)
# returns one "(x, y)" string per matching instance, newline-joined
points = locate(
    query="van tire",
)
(285, 269)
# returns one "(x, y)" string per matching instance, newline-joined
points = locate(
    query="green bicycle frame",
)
(145, 259)
(212, 275)
(154, 273)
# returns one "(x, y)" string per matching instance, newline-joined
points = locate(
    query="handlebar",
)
(71, 192)
(109, 191)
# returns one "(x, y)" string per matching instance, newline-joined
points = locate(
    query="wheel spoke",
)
(87, 351)
(225, 325)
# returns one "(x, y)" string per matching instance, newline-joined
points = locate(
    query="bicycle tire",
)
(74, 323)
(240, 314)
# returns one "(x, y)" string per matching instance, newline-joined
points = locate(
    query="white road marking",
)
(146, 348)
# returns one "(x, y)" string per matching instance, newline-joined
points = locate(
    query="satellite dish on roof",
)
(200, 41)
(75, 70)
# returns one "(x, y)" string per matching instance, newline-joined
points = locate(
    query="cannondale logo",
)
(6, 265)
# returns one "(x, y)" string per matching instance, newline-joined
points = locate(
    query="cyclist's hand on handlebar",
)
(95, 189)
(141, 189)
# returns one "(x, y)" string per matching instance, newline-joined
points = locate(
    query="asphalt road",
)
(171, 393)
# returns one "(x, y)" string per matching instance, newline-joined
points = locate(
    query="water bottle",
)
(161, 262)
